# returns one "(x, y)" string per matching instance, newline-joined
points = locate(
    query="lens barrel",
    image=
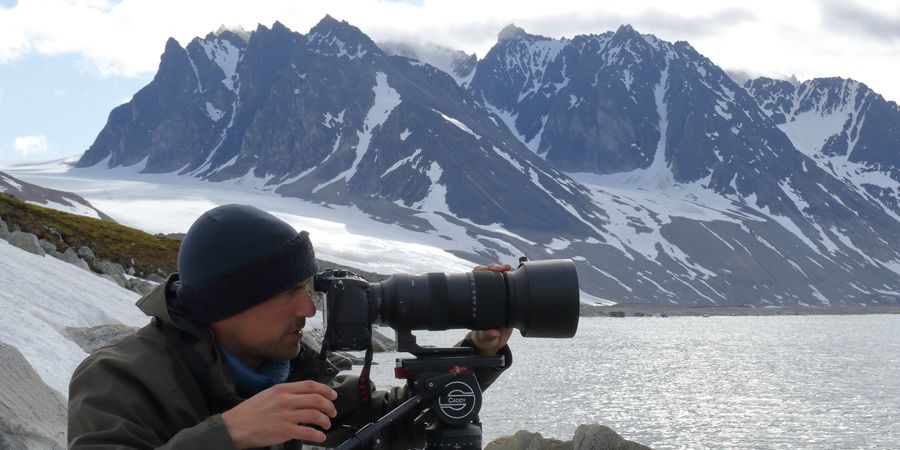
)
(540, 299)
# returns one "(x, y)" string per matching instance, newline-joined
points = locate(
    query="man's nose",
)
(306, 307)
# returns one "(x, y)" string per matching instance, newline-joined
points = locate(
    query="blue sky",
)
(64, 64)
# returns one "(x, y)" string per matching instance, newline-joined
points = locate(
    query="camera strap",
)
(363, 385)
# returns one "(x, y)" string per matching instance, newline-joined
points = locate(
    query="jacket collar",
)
(155, 303)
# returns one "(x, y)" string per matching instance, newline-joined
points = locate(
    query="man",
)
(221, 365)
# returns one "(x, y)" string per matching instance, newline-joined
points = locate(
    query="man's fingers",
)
(493, 268)
(307, 387)
(308, 434)
(309, 417)
(313, 402)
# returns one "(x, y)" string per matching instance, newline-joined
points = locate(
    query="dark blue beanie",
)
(235, 257)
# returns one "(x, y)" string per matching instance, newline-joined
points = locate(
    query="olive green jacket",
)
(165, 387)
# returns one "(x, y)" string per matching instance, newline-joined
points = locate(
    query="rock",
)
(526, 440)
(27, 242)
(108, 268)
(92, 338)
(32, 415)
(87, 254)
(118, 279)
(382, 343)
(55, 254)
(587, 437)
(600, 437)
(617, 314)
(155, 278)
(72, 258)
(48, 246)
(142, 287)
(4, 230)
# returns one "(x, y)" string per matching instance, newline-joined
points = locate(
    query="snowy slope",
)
(41, 296)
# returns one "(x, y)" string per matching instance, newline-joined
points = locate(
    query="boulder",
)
(92, 338)
(600, 437)
(382, 343)
(86, 253)
(27, 242)
(108, 268)
(155, 278)
(48, 246)
(72, 258)
(140, 286)
(118, 279)
(4, 230)
(587, 437)
(526, 440)
(32, 415)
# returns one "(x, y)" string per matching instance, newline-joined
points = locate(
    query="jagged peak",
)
(330, 24)
(227, 31)
(511, 32)
(173, 45)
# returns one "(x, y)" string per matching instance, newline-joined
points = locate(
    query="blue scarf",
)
(250, 382)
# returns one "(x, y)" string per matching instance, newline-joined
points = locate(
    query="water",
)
(693, 382)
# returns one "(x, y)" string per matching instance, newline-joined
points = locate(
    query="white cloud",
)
(770, 37)
(30, 145)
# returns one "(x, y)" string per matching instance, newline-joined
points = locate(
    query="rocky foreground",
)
(587, 437)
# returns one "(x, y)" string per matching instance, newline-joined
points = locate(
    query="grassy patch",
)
(127, 246)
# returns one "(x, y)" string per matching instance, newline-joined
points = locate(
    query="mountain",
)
(640, 159)
(49, 198)
(848, 129)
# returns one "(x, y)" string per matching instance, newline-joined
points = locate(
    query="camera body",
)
(349, 312)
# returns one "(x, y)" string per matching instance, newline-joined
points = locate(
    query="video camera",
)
(539, 298)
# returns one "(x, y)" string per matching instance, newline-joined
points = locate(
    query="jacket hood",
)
(157, 302)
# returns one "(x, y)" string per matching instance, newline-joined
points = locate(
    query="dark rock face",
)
(699, 191)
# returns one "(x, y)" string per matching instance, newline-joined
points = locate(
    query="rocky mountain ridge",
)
(641, 159)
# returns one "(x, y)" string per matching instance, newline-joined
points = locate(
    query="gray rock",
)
(118, 279)
(27, 242)
(526, 440)
(600, 437)
(382, 343)
(86, 253)
(155, 278)
(55, 254)
(72, 258)
(587, 437)
(48, 246)
(142, 287)
(4, 230)
(32, 415)
(92, 338)
(108, 268)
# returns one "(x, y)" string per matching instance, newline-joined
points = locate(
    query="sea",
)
(721, 382)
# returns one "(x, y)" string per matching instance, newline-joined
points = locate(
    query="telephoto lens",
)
(539, 298)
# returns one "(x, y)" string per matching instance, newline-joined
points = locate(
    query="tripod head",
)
(443, 384)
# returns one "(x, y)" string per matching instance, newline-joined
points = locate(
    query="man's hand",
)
(488, 342)
(282, 413)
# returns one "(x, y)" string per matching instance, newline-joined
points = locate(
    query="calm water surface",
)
(816, 382)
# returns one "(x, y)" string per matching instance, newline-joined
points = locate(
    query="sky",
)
(64, 64)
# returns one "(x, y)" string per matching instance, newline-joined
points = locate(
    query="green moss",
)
(127, 246)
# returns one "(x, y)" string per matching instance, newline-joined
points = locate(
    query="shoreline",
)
(652, 310)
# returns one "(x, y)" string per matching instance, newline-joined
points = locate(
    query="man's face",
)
(270, 330)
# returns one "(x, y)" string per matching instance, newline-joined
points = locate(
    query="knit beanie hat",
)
(237, 256)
